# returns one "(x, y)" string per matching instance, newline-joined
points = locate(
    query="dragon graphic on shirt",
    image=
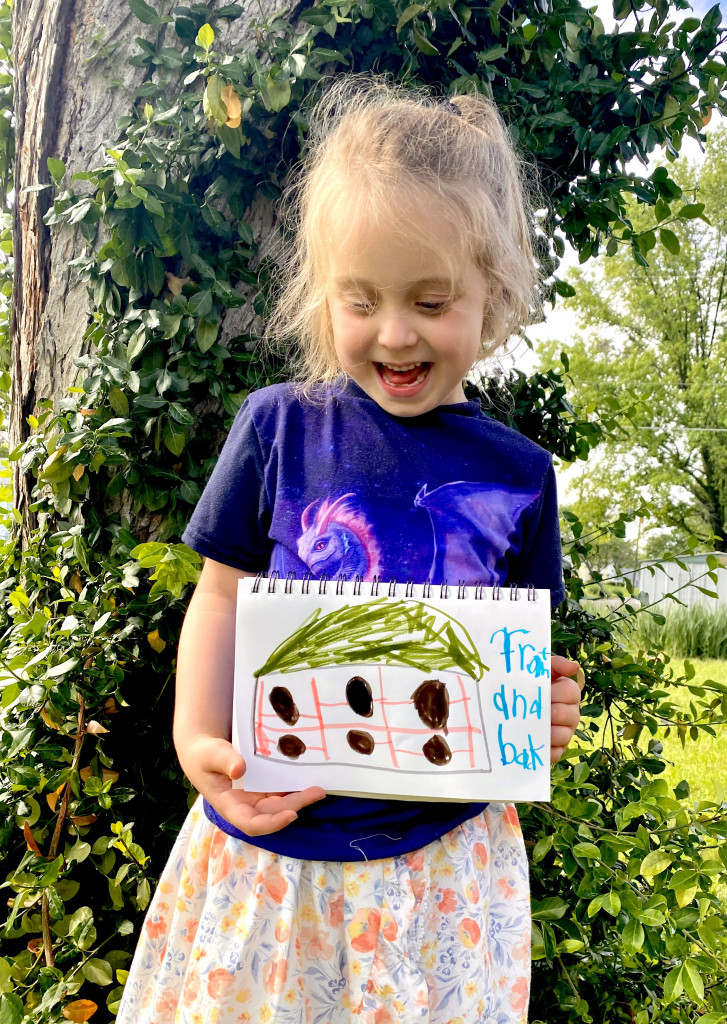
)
(471, 525)
(338, 540)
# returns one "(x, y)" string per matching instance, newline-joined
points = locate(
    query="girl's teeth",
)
(404, 376)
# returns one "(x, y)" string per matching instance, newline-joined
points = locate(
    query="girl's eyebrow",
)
(342, 283)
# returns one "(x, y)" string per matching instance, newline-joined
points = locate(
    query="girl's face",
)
(402, 328)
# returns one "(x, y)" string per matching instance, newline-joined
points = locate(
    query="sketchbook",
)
(393, 690)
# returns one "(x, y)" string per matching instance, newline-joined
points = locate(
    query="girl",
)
(410, 262)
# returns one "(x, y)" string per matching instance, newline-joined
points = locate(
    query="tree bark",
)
(65, 52)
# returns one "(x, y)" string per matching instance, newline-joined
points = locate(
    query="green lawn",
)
(703, 763)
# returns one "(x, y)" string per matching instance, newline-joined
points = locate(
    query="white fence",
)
(667, 577)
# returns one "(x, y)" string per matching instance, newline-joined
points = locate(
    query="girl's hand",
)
(216, 763)
(565, 700)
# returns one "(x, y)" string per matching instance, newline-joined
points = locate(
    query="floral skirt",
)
(236, 934)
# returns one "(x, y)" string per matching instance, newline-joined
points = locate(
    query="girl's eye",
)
(433, 307)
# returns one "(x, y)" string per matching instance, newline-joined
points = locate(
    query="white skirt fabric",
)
(238, 935)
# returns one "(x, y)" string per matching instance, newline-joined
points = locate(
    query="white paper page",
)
(409, 697)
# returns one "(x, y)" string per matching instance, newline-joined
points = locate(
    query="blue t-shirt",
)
(335, 485)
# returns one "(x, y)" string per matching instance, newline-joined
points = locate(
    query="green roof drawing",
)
(393, 632)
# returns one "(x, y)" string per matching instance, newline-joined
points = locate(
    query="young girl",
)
(411, 261)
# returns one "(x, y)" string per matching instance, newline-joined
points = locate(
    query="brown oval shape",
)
(431, 700)
(283, 704)
(359, 696)
(360, 741)
(437, 750)
(291, 746)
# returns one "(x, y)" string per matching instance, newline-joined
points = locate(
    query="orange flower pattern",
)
(235, 934)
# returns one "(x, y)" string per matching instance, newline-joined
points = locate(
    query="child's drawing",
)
(375, 718)
(351, 706)
(413, 697)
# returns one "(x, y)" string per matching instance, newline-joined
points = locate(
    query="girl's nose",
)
(396, 331)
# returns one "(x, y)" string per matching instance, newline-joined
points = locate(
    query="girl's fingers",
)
(560, 736)
(565, 690)
(259, 814)
(566, 716)
(264, 824)
(565, 711)
(243, 815)
(270, 802)
(561, 666)
(218, 755)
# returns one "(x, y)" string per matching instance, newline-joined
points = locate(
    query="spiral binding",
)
(478, 589)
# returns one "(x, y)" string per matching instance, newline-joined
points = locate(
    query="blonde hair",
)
(375, 150)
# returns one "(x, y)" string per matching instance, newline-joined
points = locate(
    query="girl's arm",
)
(203, 710)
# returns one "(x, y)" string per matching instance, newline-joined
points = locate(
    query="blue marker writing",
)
(537, 665)
(506, 651)
(518, 707)
(528, 757)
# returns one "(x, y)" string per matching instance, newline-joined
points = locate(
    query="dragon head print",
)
(337, 539)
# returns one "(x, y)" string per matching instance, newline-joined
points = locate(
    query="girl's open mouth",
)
(403, 378)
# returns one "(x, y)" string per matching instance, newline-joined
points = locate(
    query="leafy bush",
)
(628, 926)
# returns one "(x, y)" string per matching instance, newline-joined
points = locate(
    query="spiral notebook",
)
(393, 690)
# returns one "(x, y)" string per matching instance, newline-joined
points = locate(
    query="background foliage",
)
(628, 922)
(652, 349)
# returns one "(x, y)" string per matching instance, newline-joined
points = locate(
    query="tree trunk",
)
(64, 53)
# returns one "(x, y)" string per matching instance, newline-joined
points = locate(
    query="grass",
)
(687, 633)
(702, 762)
(696, 632)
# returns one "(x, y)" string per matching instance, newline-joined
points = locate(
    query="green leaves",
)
(118, 401)
(98, 971)
(212, 101)
(56, 169)
(275, 89)
(174, 437)
(549, 909)
(669, 240)
(12, 1010)
(633, 935)
(410, 12)
(656, 862)
(143, 11)
(206, 334)
(685, 978)
(423, 44)
(175, 565)
(205, 37)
